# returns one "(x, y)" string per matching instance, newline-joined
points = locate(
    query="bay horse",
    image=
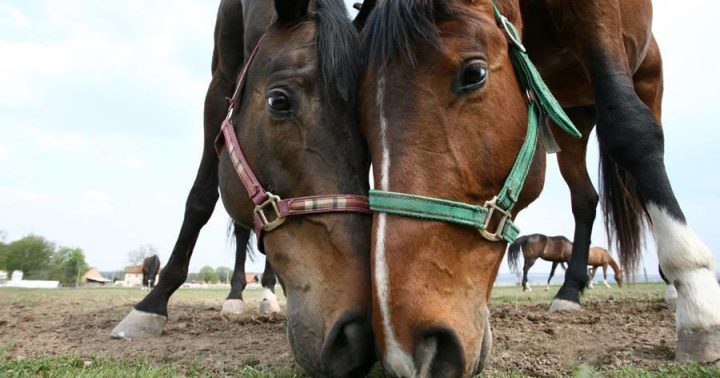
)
(290, 69)
(450, 106)
(150, 269)
(556, 249)
(599, 257)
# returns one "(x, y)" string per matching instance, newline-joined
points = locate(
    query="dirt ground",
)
(636, 331)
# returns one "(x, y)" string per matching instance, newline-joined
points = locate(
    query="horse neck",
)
(614, 265)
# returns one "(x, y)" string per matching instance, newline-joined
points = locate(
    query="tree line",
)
(40, 259)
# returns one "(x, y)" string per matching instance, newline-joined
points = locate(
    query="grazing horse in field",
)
(290, 131)
(600, 257)
(555, 249)
(450, 105)
(150, 269)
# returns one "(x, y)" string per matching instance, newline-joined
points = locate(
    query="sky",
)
(101, 126)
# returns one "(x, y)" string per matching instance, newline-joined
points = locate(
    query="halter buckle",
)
(491, 207)
(511, 33)
(272, 200)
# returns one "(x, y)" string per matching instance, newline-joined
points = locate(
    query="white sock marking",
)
(396, 359)
(688, 262)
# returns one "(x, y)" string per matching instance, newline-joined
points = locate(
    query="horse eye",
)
(278, 102)
(473, 76)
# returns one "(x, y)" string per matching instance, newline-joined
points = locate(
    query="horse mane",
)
(395, 27)
(514, 253)
(338, 51)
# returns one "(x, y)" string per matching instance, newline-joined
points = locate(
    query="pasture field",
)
(65, 333)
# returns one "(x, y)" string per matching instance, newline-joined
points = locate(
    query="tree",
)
(207, 274)
(136, 256)
(223, 274)
(31, 254)
(68, 264)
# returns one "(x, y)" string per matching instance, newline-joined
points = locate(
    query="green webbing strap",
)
(530, 77)
(540, 100)
(439, 210)
(510, 192)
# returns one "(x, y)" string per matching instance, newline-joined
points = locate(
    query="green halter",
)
(540, 101)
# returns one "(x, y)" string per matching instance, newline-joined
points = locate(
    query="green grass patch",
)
(72, 366)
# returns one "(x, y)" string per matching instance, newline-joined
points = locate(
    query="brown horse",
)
(556, 249)
(600, 257)
(293, 122)
(446, 116)
(150, 269)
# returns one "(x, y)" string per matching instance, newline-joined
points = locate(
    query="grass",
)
(72, 366)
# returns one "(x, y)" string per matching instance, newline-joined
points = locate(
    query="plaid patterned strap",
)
(331, 203)
(253, 187)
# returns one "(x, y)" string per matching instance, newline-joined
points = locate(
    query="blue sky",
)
(101, 125)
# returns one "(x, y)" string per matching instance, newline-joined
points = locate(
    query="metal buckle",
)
(491, 207)
(260, 211)
(511, 33)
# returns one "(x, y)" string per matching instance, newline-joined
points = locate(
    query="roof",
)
(137, 269)
(94, 275)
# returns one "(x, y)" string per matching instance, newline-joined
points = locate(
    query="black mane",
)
(394, 27)
(338, 51)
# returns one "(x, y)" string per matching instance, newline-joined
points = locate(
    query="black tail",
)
(625, 216)
(514, 253)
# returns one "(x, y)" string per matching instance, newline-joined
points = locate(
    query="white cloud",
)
(13, 18)
(4, 153)
(22, 196)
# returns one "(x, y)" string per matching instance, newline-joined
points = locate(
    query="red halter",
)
(264, 200)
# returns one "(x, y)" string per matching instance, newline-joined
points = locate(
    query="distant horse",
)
(150, 269)
(600, 257)
(453, 106)
(556, 249)
(291, 70)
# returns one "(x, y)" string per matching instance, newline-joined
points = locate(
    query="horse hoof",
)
(232, 308)
(671, 297)
(269, 304)
(563, 305)
(699, 345)
(139, 325)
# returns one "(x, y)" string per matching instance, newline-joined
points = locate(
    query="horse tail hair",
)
(232, 240)
(514, 253)
(625, 216)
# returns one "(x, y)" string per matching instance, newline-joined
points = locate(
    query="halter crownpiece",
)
(270, 210)
(541, 103)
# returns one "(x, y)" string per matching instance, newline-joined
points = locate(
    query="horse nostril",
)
(348, 350)
(438, 354)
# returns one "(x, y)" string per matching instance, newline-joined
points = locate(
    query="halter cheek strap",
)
(270, 210)
(492, 219)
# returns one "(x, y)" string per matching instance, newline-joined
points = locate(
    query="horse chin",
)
(343, 348)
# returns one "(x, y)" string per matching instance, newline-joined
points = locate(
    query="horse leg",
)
(149, 316)
(605, 281)
(529, 262)
(631, 141)
(269, 303)
(234, 305)
(552, 273)
(584, 199)
(670, 292)
(592, 277)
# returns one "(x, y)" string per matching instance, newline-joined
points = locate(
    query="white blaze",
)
(395, 358)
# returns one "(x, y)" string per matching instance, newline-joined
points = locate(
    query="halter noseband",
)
(264, 200)
(540, 103)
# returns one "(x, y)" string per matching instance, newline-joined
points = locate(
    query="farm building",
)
(133, 276)
(94, 277)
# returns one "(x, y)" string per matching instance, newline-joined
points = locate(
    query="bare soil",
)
(527, 338)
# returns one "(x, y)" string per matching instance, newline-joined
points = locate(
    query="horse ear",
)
(291, 11)
(364, 9)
